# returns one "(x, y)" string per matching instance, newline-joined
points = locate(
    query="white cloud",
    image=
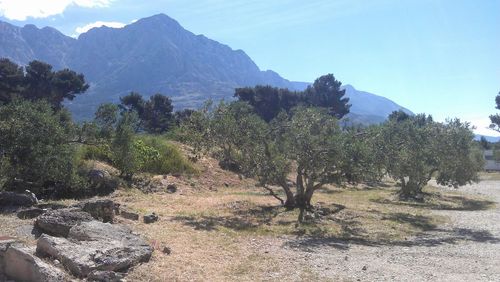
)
(89, 26)
(22, 9)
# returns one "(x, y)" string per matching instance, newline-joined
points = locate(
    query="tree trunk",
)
(308, 196)
(290, 199)
(301, 214)
(410, 191)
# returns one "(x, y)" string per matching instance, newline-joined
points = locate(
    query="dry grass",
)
(489, 176)
(222, 228)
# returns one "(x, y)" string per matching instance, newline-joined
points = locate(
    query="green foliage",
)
(106, 118)
(156, 114)
(36, 149)
(325, 92)
(418, 148)
(11, 80)
(125, 157)
(101, 152)
(495, 119)
(39, 82)
(310, 140)
(165, 157)
(158, 117)
(268, 101)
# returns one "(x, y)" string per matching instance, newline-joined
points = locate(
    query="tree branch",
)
(272, 193)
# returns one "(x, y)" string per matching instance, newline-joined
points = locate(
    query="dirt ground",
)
(235, 231)
(221, 227)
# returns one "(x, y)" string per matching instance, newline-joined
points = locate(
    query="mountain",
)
(156, 54)
(491, 139)
(368, 108)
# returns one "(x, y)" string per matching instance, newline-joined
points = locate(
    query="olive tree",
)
(309, 144)
(416, 148)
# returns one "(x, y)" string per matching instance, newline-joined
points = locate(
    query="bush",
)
(99, 153)
(169, 160)
(36, 149)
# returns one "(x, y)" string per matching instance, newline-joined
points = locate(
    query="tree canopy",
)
(417, 148)
(155, 115)
(37, 81)
(269, 101)
(495, 119)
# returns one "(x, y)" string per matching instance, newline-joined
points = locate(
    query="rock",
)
(29, 213)
(21, 265)
(100, 209)
(167, 250)
(226, 184)
(97, 175)
(150, 218)
(51, 206)
(59, 222)
(171, 188)
(117, 208)
(105, 276)
(129, 215)
(364, 267)
(12, 199)
(102, 182)
(94, 246)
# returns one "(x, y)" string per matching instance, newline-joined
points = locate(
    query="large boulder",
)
(96, 246)
(12, 199)
(59, 222)
(101, 209)
(20, 265)
(30, 213)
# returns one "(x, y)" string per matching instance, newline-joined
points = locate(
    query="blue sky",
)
(441, 57)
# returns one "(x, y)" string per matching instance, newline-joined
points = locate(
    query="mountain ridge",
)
(151, 55)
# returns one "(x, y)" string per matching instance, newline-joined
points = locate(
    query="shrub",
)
(169, 159)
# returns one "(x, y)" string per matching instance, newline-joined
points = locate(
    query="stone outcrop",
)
(128, 214)
(100, 209)
(30, 213)
(12, 199)
(74, 239)
(18, 263)
(59, 222)
(96, 246)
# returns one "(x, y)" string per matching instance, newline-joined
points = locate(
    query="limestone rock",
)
(105, 276)
(30, 213)
(26, 199)
(19, 264)
(94, 246)
(100, 209)
(150, 218)
(59, 222)
(129, 215)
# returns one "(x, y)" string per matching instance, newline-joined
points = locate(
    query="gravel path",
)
(466, 249)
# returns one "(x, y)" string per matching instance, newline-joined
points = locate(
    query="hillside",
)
(368, 108)
(156, 54)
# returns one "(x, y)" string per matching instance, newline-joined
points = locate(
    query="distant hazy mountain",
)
(491, 139)
(368, 108)
(152, 55)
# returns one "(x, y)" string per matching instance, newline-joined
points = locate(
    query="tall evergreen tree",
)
(326, 93)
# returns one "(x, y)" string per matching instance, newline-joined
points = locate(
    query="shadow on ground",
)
(437, 237)
(240, 220)
(444, 202)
